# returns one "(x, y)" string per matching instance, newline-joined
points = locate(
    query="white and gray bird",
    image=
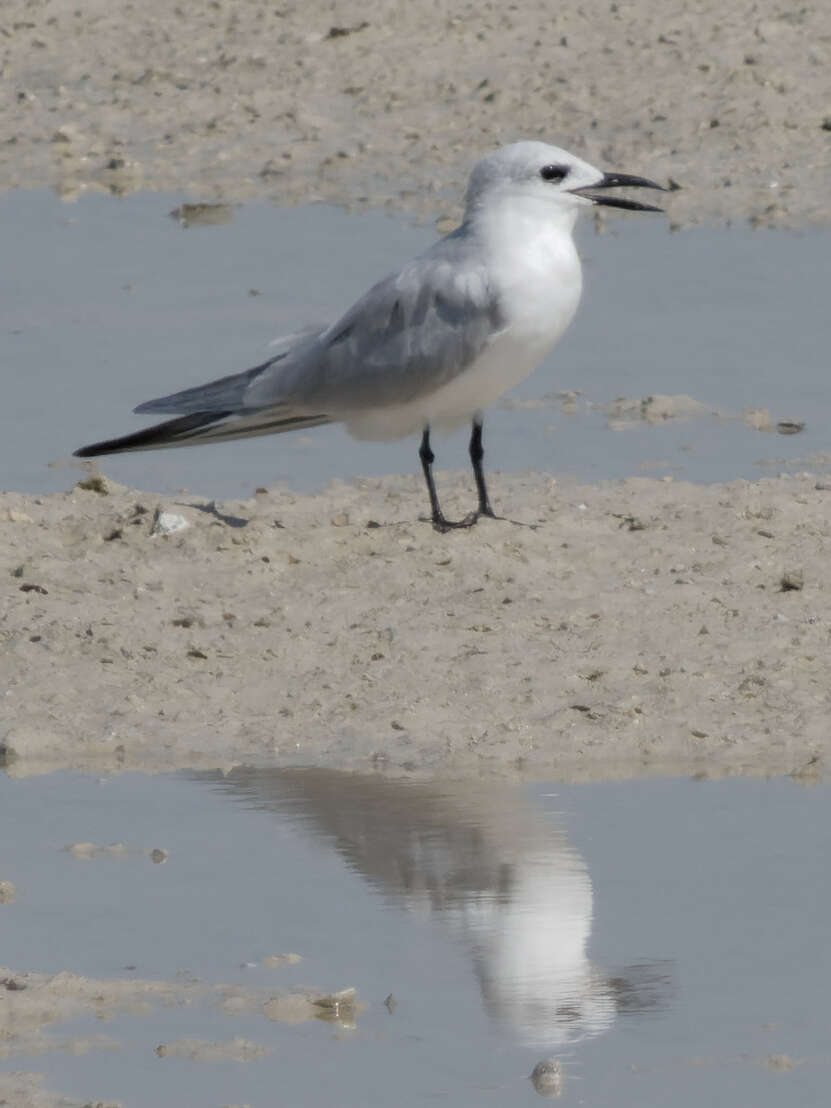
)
(432, 345)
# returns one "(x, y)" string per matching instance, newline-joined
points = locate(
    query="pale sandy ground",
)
(640, 627)
(582, 646)
(634, 627)
(374, 101)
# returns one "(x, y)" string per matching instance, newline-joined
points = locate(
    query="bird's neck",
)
(520, 216)
(533, 264)
(528, 234)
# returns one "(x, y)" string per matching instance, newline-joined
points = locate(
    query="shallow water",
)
(108, 302)
(666, 941)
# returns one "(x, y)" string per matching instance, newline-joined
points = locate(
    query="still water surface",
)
(665, 941)
(108, 302)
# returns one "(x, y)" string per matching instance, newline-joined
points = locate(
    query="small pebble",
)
(792, 580)
(168, 523)
(94, 483)
(547, 1078)
(336, 1003)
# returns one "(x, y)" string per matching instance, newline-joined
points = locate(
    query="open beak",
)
(615, 180)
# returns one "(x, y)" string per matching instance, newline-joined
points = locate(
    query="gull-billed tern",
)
(432, 345)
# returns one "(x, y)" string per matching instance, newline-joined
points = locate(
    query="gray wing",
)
(411, 333)
(228, 393)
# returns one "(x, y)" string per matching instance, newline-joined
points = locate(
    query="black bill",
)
(620, 180)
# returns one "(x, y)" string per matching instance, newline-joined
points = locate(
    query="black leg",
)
(427, 459)
(477, 453)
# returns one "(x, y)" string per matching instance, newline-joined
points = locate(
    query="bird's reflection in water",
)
(499, 874)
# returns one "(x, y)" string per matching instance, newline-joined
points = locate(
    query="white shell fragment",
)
(168, 523)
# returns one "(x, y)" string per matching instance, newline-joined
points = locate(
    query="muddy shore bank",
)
(379, 104)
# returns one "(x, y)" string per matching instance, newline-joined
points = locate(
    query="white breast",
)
(536, 270)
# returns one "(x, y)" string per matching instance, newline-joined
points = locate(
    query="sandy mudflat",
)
(641, 627)
(35, 1007)
(294, 628)
(385, 102)
(634, 627)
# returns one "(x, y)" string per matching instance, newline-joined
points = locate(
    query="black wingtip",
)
(116, 446)
(160, 435)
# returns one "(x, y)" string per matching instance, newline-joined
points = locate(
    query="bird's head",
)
(548, 174)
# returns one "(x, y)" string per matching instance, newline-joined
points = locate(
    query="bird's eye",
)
(554, 172)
